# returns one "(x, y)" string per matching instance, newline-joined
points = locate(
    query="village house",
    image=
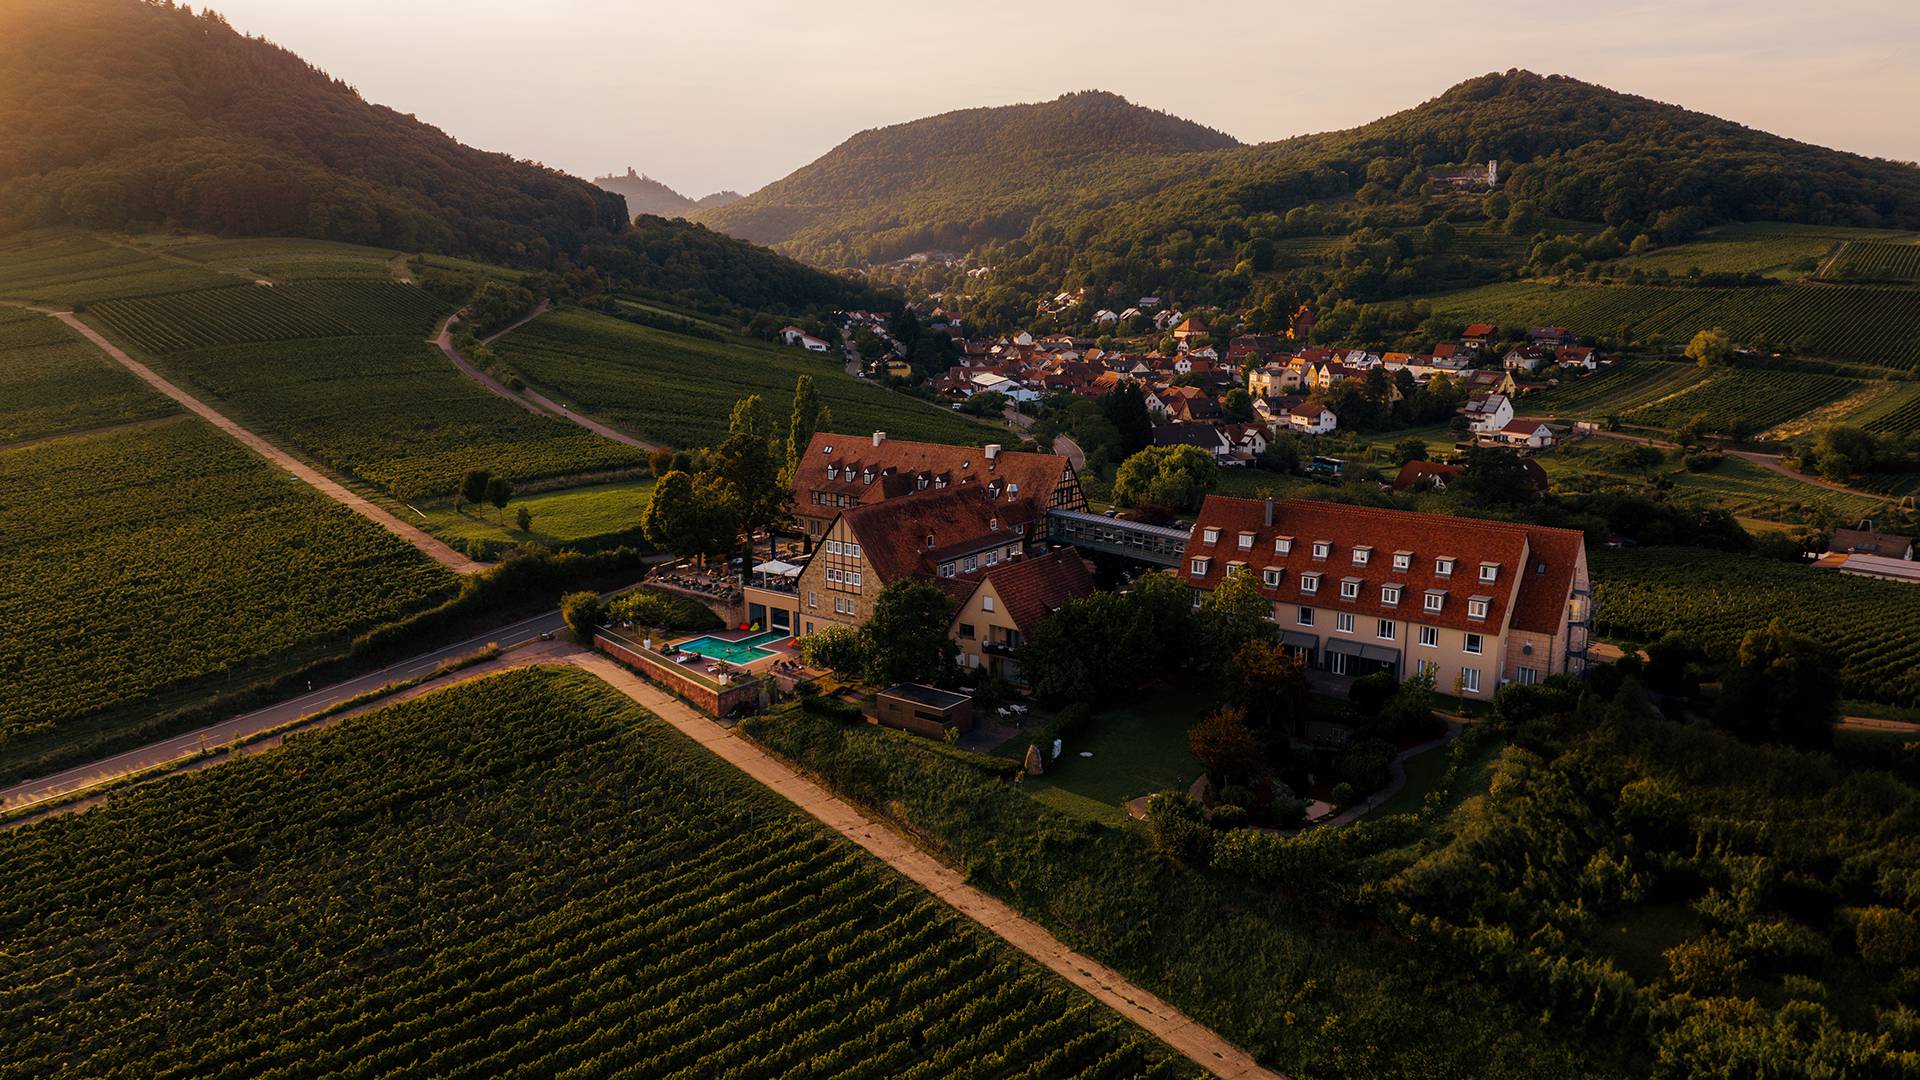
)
(793, 335)
(1310, 418)
(1549, 335)
(1479, 336)
(1527, 358)
(1356, 589)
(1275, 409)
(1273, 378)
(1000, 605)
(1191, 330)
(1466, 178)
(839, 472)
(1523, 435)
(1582, 357)
(1488, 414)
(1863, 539)
(1204, 436)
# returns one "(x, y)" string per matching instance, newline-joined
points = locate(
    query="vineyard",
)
(1897, 413)
(1759, 247)
(1867, 260)
(524, 876)
(680, 390)
(53, 382)
(241, 314)
(1614, 390)
(1872, 325)
(392, 411)
(1872, 626)
(1757, 398)
(155, 557)
(287, 258)
(63, 267)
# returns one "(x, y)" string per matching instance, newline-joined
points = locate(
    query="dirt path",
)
(428, 545)
(1770, 462)
(1198, 1044)
(531, 400)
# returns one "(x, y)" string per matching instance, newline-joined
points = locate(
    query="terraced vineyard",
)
(52, 381)
(155, 558)
(525, 876)
(1868, 260)
(680, 390)
(68, 267)
(392, 411)
(240, 314)
(1867, 324)
(1872, 626)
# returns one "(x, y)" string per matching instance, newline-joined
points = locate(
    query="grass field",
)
(279, 258)
(680, 390)
(1137, 749)
(568, 514)
(1738, 487)
(1872, 626)
(1876, 325)
(52, 381)
(392, 411)
(525, 876)
(65, 267)
(152, 558)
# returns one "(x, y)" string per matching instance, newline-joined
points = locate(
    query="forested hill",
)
(123, 113)
(971, 180)
(961, 178)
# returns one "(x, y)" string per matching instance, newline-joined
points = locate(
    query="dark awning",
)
(1294, 639)
(1365, 652)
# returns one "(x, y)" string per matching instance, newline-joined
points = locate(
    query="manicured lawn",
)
(1137, 750)
(575, 513)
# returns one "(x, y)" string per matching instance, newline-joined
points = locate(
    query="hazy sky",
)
(737, 93)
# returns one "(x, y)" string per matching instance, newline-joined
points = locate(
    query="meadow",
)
(52, 381)
(566, 515)
(145, 560)
(680, 390)
(1741, 488)
(1872, 626)
(521, 876)
(1875, 325)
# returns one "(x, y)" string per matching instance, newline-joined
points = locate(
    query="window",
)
(1349, 588)
(986, 603)
(853, 578)
(970, 563)
(832, 574)
(1246, 541)
(833, 547)
(1435, 599)
(1402, 560)
(1443, 566)
(850, 549)
(1343, 622)
(1426, 667)
(946, 569)
(993, 557)
(1390, 595)
(813, 599)
(1306, 616)
(1210, 535)
(1477, 608)
(966, 631)
(1385, 630)
(1528, 676)
(1475, 644)
(1198, 595)
(1234, 568)
(1430, 637)
(1309, 582)
(1489, 571)
(1322, 548)
(1200, 567)
(1271, 576)
(1470, 680)
(1283, 545)
(1361, 554)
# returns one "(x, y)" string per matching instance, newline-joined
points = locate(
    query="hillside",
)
(963, 178)
(121, 113)
(644, 194)
(1171, 207)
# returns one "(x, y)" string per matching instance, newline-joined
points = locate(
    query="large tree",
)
(1126, 407)
(906, 634)
(1234, 613)
(1174, 478)
(808, 418)
(1780, 687)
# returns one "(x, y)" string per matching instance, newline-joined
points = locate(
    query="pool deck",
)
(781, 648)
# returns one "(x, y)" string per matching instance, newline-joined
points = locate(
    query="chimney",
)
(879, 437)
(992, 450)
(1269, 514)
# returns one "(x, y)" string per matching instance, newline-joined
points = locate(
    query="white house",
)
(1529, 434)
(1311, 419)
(1489, 414)
(1000, 384)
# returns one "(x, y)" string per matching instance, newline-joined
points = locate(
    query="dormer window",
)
(1272, 576)
(1403, 560)
(920, 483)
(940, 481)
(1489, 571)
(1322, 548)
(833, 472)
(1362, 553)
(1283, 545)
(1310, 583)
(1246, 541)
(1210, 535)
(1390, 595)
(1200, 566)
(866, 476)
(1013, 489)
(1443, 566)
(1477, 607)
(1436, 599)
(1234, 568)
(1350, 588)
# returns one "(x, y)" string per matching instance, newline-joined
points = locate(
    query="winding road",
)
(428, 545)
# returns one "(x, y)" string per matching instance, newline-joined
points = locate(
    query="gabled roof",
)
(1029, 589)
(907, 536)
(901, 464)
(1414, 472)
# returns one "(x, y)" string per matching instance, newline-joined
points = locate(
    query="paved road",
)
(531, 400)
(326, 485)
(180, 746)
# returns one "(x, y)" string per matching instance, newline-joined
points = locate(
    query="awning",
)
(1294, 639)
(775, 566)
(1365, 652)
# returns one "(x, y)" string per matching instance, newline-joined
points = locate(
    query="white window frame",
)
(1476, 609)
(1386, 630)
(1283, 545)
(1272, 577)
(1403, 560)
(1470, 680)
(1350, 589)
(1489, 573)
(1304, 616)
(986, 603)
(1361, 555)
(1443, 566)
(1309, 583)
(1201, 565)
(1209, 535)
(1322, 549)
(853, 578)
(1527, 676)
(1430, 637)
(850, 550)
(1435, 601)
(1246, 541)
(1390, 595)
(1343, 621)
(1474, 645)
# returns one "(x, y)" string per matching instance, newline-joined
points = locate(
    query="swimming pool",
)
(743, 651)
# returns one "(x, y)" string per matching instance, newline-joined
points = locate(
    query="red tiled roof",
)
(1522, 592)
(1035, 475)
(1415, 471)
(1480, 329)
(907, 536)
(1030, 589)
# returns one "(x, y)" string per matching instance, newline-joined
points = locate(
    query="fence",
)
(703, 691)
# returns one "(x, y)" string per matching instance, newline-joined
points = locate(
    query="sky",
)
(738, 93)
